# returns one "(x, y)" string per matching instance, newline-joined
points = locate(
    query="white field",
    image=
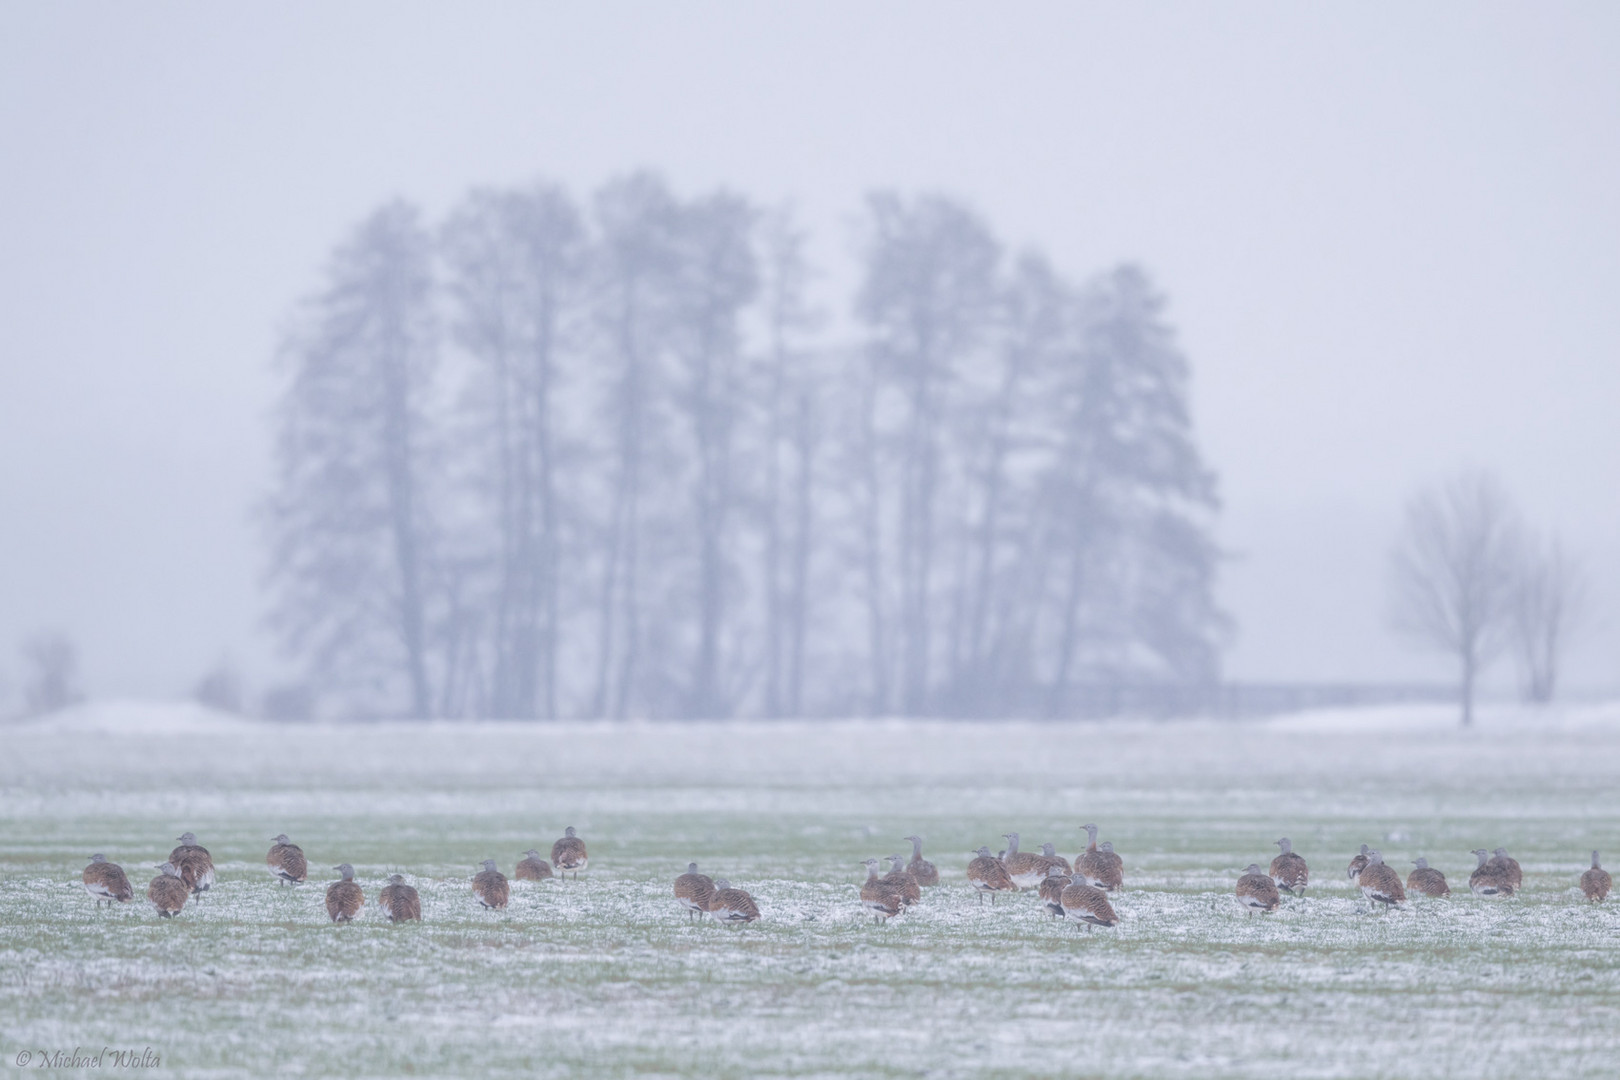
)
(605, 977)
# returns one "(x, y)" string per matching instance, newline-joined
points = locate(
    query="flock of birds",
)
(1076, 892)
(190, 872)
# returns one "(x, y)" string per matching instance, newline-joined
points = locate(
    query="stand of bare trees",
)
(640, 482)
(1468, 578)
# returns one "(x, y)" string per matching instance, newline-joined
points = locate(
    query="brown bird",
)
(1288, 869)
(343, 897)
(196, 866)
(924, 871)
(901, 878)
(1426, 879)
(730, 905)
(883, 900)
(1357, 864)
(1025, 868)
(1049, 852)
(1087, 904)
(533, 867)
(1594, 883)
(1380, 883)
(1099, 867)
(106, 881)
(568, 854)
(286, 861)
(168, 891)
(490, 887)
(1256, 891)
(986, 874)
(1488, 879)
(399, 901)
(1114, 876)
(1051, 890)
(693, 891)
(1509, 867)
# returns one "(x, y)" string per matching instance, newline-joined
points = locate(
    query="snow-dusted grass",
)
(605, 977)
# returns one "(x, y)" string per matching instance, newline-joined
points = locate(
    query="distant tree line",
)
(549, 458)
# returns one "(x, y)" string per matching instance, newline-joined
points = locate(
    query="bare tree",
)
(1127, 496)
(350, 521)
(927, 299)
(1548, 593)
(516, 260)
(791, 423)
(636, 219)
(716, 277)
(1000, 423)
(50, 673)
(1453, 573)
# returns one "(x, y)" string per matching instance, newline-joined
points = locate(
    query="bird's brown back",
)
(344, 900)
(168, 893)
(491, 888)
(289, 860)
(109, 876)
(401, 903)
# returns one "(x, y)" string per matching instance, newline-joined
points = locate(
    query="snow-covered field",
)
(605, 977)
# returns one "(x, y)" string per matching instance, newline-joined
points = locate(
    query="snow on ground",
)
(605, 977)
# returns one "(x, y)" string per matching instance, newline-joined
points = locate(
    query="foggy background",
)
(1388, 240)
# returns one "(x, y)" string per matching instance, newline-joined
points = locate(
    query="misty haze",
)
(461, 467)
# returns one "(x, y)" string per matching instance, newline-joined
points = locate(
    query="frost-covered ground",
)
(605, 977)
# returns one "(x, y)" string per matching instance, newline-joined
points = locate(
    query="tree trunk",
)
(1468, 673)
(804, 446)
(872, 535)
(402, 516)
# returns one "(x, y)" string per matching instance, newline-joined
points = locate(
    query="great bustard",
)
(106, 881)
(196, 866)
(1426, 879)
(732, 906)
(1025, 868)
(1488, 879)
(343, 897)
(168, 891)
(1509, 867)
(1380, 883)
(533, 867)
(1256, 891)
(490, 887)
(399, 901)
(1054, 859)
(1051, 890)
(1357, 864)
(693, 891)
(1086, 904)
(1595, 882)
(1288, 869)
(1099, 867)
(878, 896)
(286, 861)
(986, 874)
(568, 854)
(924, 871)
(900, 877)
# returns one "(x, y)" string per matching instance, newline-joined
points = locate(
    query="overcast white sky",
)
(1390, 235)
